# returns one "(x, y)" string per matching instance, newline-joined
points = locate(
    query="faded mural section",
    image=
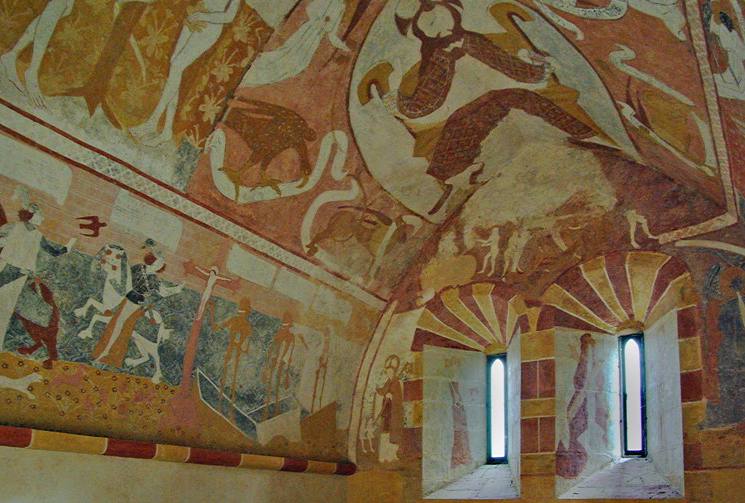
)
(121, 318)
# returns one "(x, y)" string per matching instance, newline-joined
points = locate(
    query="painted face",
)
(437, 22)
(158, 264)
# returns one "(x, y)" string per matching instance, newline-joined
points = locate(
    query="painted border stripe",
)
(294, 465)
(130, 449)
(346, 469)
(68, 442)
(11, 436)
(261, 462)
(215, 458)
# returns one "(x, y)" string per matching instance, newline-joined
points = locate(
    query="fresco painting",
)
(241, 224)
(133, 330)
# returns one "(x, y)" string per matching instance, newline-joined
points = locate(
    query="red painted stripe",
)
(216, 458)
(615, 266)
(345, 469)
(11, 436)
(673, 269)
(691, 386)
(413, 390)
(575, 283)
(687, 322)
(546, 318)
(226, 215)
(424, 337)
(130, 449)
(294, 465)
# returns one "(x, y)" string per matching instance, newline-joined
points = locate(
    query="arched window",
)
(496, 383)
(633, 396)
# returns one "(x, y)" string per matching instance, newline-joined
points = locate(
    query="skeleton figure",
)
(240, 332)
(277, 372)
(321, 371)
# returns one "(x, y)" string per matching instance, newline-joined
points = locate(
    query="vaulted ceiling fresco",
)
(347, 132)
(343, 160)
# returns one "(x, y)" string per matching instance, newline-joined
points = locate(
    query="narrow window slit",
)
(633, 395)
(497, 409)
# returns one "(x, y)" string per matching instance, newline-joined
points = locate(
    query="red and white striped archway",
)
(620, 290)
(479, 316)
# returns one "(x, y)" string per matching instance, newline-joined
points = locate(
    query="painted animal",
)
(42, 335)
(374, 230)
(112, 259)
(113, 262)
(268, 130)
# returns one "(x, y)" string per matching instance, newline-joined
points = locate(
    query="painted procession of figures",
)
(104, 311)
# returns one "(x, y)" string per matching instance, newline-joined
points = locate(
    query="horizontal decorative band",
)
(11, 436)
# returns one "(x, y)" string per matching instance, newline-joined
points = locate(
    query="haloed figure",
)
(200, 32)
(391, 410)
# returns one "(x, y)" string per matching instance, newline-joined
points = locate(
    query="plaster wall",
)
(60, 477)
(586, 391)
(664, 422)
(513, 408)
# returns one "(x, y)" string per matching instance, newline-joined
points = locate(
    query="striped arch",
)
(479, 317)
(620, 290)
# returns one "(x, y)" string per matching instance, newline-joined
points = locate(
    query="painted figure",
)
(21, 244)
(321, 372)
(146, 288)
(730, 81)
(200, 32)
(730, 408)
(43, 334)
(492, 243)
(277, 372)
(38, 33)
(455, 148)
(571, 455)
(112, 259)
(296, 53)
(460, 454)
(240, 333)
(391, 416)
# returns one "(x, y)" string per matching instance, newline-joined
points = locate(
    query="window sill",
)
(487, 482)
(628, 478)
